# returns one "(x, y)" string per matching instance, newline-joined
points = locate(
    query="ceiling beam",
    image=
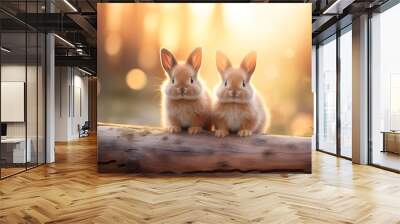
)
(77, 61)
(338, 6)
(84, 24)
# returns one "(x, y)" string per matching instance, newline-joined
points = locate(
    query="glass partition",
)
(31, 100)
(22, 88)
(327, 95)
(14, 145)
(346, 93)
(385, 89)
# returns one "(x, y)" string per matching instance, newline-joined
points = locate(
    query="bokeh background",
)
(130, 74)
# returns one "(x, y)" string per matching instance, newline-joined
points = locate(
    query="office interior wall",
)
(25, 64)
(71, 102)
(13, 73)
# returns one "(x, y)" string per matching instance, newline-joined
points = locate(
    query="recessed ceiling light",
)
(70, 5)
(5, 50)
(84, 71)
(64, 40)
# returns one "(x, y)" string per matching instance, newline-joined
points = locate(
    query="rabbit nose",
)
(231, 92)
(181, 90)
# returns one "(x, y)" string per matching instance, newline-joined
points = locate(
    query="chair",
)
(84, 130)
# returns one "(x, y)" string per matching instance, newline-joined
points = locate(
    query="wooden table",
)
(391, 141)
(13, 150)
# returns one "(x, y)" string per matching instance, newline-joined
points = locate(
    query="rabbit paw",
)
(194, 130)
(244, 133)
(174, 129)
(221, 133)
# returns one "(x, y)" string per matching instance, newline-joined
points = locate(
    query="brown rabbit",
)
(238, 108)
(185, 101)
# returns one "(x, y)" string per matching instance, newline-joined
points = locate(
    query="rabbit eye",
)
(226, 82)
(173, 80)
(191, 80)
(244, 84)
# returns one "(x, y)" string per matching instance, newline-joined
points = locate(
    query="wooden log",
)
(138, 149)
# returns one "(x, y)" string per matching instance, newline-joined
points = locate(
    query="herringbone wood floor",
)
(71, 191)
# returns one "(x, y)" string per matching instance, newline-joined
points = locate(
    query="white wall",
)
(71, 94)
(62, 80)
(12, 73)
(33, 127)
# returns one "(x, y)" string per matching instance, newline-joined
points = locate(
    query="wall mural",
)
(204, 87)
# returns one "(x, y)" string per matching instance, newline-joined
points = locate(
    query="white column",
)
(360, 90)
(50, 98)
(50, 92)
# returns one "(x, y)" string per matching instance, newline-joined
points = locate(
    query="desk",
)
(15, 148)
(391, 141)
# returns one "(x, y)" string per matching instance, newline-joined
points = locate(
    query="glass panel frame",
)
(27, 57)
(326, 99)
(339, 121)
(345, 92)
(383, 70)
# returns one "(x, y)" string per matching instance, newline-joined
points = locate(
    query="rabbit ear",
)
(194, 59)
(223, 62)
(249, 64)
(168, 60)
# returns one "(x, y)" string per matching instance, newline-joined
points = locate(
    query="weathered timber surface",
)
(139, 149)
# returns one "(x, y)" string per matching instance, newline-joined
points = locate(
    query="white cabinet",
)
(19, 155)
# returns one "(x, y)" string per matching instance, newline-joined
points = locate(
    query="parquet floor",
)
(71, 191)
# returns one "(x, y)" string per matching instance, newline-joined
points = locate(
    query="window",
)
(22, 88)
(346, 92)
(385, 89)
(327, 95)
(394, 102)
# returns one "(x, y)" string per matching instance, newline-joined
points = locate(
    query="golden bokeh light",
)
(151, 22)
(237, 16)
(114, 17)
(200, 19)
(170, 32)
(271, 72)
(136, 79)
(113, 44)
(169, 8)
(238, 22)
(289, 53)
(202, 10)
(302, 125)
(148, 57)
